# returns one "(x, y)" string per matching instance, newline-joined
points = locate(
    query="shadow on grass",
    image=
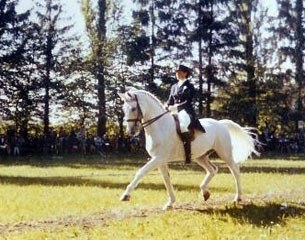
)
(85, 182)
(265, 215)
(247, 169)
(279, 156)
(130, 162)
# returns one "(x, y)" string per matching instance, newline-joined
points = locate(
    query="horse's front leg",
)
(149, 166)
(169, 187)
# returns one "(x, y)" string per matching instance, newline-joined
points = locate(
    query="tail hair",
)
(244, 141)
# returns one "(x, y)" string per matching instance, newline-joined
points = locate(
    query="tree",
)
(12, 36)
(180, 25)
(78, 100)
(291, 35)
(101, 54)
(145, 18)
(57, 46)
(214, 33)
(243, 12)
(252, 79)
(16, 73)
(162, 23)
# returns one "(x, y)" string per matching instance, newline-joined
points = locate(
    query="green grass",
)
(78, 198)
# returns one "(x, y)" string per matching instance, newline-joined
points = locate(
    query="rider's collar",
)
(181, 82)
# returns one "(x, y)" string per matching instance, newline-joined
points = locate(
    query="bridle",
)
(139, 117)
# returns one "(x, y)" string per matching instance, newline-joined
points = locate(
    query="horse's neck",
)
(150, 108)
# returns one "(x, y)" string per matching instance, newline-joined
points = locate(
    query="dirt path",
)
(102, 218)
(84, 221)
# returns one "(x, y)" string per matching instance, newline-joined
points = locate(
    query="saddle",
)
(191, 130)
(178, 129)
(187, 137)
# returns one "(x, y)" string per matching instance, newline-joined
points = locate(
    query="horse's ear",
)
(129, 96)
(132, 89)
(122, 96)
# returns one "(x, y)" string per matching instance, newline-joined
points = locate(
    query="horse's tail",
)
(243, 140)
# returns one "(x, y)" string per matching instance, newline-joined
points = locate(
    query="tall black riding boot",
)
(187, 147)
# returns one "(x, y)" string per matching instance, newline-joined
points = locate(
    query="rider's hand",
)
(173, 108)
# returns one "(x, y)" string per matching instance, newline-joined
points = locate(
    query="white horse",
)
(233, 143)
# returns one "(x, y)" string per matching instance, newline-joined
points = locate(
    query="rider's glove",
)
(173, 108)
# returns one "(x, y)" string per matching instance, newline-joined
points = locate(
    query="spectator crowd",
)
(61, 142)
(82, 142)
(283, 143)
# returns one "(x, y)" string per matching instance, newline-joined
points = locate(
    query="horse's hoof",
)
(125, 198)
(237, 201)
(167, 207)
(206, 195)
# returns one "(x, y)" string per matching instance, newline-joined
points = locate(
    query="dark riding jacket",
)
(182, 96)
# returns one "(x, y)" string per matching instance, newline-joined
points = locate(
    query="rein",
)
(140, 116)
(151, 121)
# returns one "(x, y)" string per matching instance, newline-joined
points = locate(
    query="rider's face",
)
(181, 75)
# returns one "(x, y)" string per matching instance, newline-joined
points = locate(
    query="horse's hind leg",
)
(211, 169)
(169, 187)
(151, 165)
(234, 169)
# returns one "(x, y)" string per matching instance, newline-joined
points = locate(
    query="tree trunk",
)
(210, 67)
(250, 69)
(102, 119)
(101, 124)
(299, 53)
(47, 81)
(200, 98)
(153, 46)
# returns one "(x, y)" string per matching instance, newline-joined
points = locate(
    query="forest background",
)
(247, 60)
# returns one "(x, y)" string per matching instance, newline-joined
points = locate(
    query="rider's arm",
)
(187, 96)
(170, 100)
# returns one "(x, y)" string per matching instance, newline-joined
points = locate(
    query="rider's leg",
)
(187, 147)
(185, 121)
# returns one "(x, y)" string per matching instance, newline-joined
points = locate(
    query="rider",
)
(180, 101)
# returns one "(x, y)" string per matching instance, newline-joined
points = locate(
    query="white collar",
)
(181, 82)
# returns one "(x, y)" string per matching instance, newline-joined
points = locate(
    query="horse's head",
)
(132, 112)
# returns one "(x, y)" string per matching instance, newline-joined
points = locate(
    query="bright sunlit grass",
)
(38, 193)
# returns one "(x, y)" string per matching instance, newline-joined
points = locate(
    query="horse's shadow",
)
(87, 181)
(264, 214)
(267, 214)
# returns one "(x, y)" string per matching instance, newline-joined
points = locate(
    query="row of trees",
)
(249, 66)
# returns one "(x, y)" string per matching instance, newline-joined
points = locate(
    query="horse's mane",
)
(143, 92)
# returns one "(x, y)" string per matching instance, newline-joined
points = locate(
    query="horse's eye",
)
(133, 109)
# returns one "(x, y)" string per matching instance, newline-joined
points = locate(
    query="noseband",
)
(140, 116)
(139, 111)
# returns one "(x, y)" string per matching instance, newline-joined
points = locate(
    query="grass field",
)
(78, 198)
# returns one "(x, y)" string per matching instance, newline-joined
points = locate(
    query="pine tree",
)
(101, 54)
(146, 40)
(214, 34)
(17, 79)
(161, 22)
(12, 36)
(290, 32)
(251, 81)
(243, 12)
(78, 101)
(56, 46)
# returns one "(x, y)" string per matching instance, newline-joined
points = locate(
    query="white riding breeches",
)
(184, 120)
